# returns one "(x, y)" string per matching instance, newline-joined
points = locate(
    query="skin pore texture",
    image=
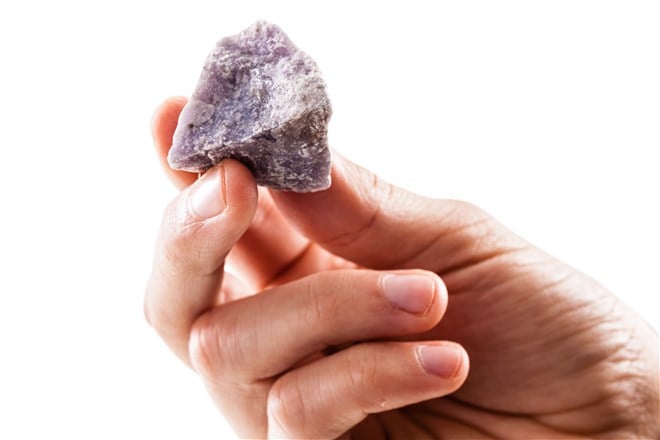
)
(366, 311)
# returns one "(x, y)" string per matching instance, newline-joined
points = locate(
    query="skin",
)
(301, 341)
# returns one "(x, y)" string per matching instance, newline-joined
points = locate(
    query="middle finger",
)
(264, 335)
(268, 247)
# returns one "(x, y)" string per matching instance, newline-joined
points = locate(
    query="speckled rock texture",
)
(262, 101)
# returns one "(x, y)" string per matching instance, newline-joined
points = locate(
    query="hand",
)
(337, 322)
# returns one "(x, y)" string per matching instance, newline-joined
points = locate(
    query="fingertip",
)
(441, 294)
(228, 189)
(239, 186)
(418, 292)
(463, 369)
(166, 115)
(446, 360)
(439, 304)
(344, 207)
(163, 125)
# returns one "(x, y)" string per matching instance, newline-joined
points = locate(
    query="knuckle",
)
(473, 223)
(363, 373)
(286, 405)
(321, 303)
(483, 233)
(180, 243)
(203, 346)
(334, 296)
(363, 377)
(215, 346)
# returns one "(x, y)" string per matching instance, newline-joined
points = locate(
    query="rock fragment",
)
(262, 101)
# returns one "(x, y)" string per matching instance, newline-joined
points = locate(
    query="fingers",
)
(369, 221)
(237, 348)
(309, 315)
(326, 398)
(197, 232)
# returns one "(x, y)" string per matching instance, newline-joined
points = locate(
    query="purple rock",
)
(259, 100)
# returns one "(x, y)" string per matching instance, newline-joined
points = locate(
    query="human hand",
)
(311, 340)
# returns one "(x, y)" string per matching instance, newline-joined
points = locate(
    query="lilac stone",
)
(261, 101)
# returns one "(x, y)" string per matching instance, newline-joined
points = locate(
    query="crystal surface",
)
(261, 101)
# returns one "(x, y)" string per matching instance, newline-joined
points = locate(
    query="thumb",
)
(199, 228)
(378, 225)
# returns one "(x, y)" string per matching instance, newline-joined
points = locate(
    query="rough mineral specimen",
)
(259, 100)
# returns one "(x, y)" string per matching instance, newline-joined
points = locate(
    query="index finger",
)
(163, 125)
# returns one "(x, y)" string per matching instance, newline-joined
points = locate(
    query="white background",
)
(545, 113)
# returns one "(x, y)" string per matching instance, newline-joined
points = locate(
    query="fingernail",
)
(412, 293)
(207, 199)
(440, 360)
